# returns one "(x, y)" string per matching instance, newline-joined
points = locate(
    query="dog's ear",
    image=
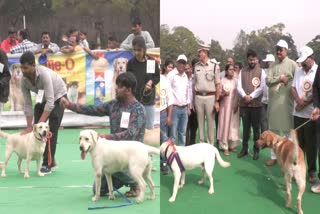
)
(34, 128)
(271, 139)
(94, 136)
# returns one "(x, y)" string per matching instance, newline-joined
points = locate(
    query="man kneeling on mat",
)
(126, 111)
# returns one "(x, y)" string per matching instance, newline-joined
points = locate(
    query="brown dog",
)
(291, 159)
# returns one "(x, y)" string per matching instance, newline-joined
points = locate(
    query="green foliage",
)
(263, 41)
(315, 45)
(180, 41)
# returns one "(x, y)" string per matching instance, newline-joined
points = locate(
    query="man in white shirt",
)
(166, 101)
(303, 97)
(136, 31)
(181, 109)
(264, 110)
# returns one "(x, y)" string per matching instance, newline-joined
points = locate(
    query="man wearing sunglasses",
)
(280, 106)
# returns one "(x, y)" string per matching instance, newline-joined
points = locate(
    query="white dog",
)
(108, 157)
(119, 67)
(73, 92)
(30, 147)
(152, 137)
(198, 155)
(16, 96)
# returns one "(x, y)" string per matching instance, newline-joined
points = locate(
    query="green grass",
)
(67, 190)
(246, 187)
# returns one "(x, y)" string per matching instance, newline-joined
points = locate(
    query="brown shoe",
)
(271, 162)
(226, 152)
(232, 149)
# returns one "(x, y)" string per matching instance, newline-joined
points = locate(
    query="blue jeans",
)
(149, 116)
(179, 125)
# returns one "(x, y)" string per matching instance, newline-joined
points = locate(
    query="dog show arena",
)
(246, 187)
(68, 189)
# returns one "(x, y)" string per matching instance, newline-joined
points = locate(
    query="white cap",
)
(182, 57)
(282, 44)
(269, 58)
(304, 53)
(203, 47)
(213, 60)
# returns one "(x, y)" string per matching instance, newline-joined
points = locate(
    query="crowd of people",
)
(277, 94)
(135, 90)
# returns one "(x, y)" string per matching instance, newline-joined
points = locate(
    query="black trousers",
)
(264, 117)
(192, 127)
(307, 141)
(55, 119)
(318, 144)
(250, 117)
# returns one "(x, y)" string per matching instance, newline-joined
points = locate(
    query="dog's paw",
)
(181, 185)
(94, 198)
(3, 175)
(26, 176)
(40, 174)
(288, 205)
(172, 199)
(111, 197)
(201, 181)
(139, 200)
(151, 197)
(211, 191)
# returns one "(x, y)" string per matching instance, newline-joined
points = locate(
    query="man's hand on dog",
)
(26, 131)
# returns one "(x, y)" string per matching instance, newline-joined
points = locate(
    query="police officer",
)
(206, 87)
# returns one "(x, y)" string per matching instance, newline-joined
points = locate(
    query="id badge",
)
(1, 67)
(39, 97)
(125, 118)
(151, 66)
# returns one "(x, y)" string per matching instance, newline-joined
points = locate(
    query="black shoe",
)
(243, 152)
(255, 156)
(164, 169)
(45, 170)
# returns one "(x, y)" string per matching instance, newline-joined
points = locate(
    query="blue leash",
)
(128, 203)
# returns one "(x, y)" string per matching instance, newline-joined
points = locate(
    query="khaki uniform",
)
(206, 79)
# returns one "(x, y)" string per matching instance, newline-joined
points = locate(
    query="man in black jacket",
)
(4, 79)
(315, 116)
(147, 72)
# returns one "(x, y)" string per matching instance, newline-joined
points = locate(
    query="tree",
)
(180, 41)
(263, 41)
(315, 45)
(218, 53)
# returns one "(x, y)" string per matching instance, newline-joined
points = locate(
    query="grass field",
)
(246, 187)
(67, 190)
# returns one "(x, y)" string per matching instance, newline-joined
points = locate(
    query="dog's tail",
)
(3, 134)
(153, 150)
(222, 163)
(295, 141)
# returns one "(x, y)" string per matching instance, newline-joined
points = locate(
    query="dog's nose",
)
(44, 133)
(81, 149)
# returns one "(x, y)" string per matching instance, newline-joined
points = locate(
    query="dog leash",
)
(303, 124)
(128, 203)
(49, 136)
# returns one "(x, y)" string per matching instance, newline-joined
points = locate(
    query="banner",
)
(88, 81)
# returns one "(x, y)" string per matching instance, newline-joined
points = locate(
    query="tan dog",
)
(152, 137)
(291, 159)
(198, 155)
(119, 67)
(108, 157)
(29, 146)
(16, 96)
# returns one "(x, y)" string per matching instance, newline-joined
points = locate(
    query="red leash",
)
(49, 136)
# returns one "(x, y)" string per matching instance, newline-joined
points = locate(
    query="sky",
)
(222, 20)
